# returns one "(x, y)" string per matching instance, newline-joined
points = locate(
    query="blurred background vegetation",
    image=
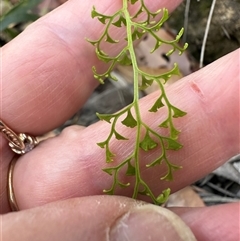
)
(15, 16)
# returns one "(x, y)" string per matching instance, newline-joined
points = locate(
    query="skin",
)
(64, 173)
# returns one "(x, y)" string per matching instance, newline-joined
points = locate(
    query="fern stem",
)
(136, 95)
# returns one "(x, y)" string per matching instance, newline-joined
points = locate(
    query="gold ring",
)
(11, 195)
(20, 144)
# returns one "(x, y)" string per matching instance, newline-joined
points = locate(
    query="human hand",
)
(47, 79)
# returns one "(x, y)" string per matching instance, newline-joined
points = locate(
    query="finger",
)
(95, 218)
(46, 71)
(70, 165)
(213, 223)
(51, 74)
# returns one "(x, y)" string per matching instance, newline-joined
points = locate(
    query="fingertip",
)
(213, 223)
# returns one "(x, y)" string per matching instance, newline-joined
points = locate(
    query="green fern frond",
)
(152, 140)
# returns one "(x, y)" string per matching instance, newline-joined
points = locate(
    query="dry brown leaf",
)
(158, 59)
(185, 197)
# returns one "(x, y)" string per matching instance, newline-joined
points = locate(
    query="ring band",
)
(11, 195)
(20, 144)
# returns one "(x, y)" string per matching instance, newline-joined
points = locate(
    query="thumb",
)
(95, 218)
(150, 222)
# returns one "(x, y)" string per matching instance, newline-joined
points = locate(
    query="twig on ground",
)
(206, 33)
(186, 17)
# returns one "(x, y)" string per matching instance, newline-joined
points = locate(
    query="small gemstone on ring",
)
(28, 147)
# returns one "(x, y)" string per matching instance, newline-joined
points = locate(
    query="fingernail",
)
(149, 222)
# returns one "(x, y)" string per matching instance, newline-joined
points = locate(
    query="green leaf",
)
(101, 53)
(112, 77)
(110, 40)
(131, 170)
(159, 24)
(148, 143)
(170, 52)
(109, 191)
(145, 83)
(119, 137)
(157, 45)
(102, 18)
(120, 22)
(183, 49)
(105, 117)
(102, 144)
(174, 133)
(137, 34)
(144, 192)
(129, 121)
(93, 42)
(172, 144)
(158, 161)
(125, 60)
(103, 56)
(19, 14)
(162, 198)
(175, 167)
(109, 170)
(175, 70)
(124, 184)
(104, 59)
(109, 156)
(99, 78)
(156, 13)
(157, 105)
(177, 112)
(10, 33)
(6, 5)
(133, 1)
(164, 124)
(94, 13)
(179, 35)
(168, 176)
(165, 15)
(138, 12)
(166, 76)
